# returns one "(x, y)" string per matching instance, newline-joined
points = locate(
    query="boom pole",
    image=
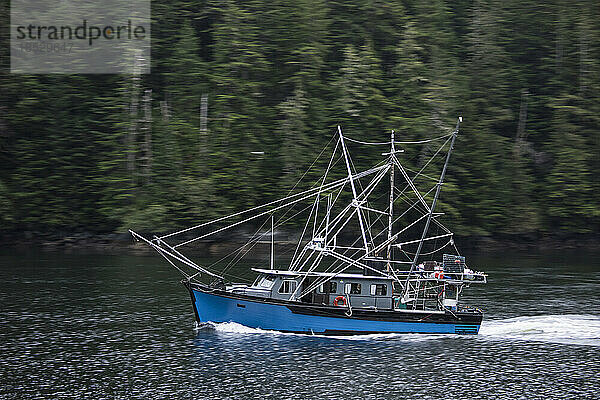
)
(432, 208)
(355, 201)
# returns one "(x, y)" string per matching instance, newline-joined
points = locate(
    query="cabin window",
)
(378, 290)
(329, 287)
(287, 287)
(352, 288)
(266, 282)
(332, 287)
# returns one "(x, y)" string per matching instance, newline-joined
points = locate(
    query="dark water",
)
(108, 326)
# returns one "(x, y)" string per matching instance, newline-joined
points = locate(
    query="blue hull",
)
(210, 307)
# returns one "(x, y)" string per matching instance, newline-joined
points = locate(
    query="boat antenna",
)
(432, 208)
(272, 241)
(391, 212)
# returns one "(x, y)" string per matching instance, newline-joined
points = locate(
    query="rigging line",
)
(293, 265)
(295, 261)
(431, 252)
(238, 250)
(205, 269)
(257, 239)
(350, 263)
(426, 176)
(334, 265)
(406, 198)
(302, 177)
(241, 248)
(420, 210)
(209, 268)
(305, 261)
(292, 262)
(243, 251)
(426, 140)
(394, 237)
(313, 163)
(355, 199)
(428, 238)
(372, 224)
(343, 268)
(241, 254)
(350, 206)
(340, 191)
(324, 178)
(245, 279)
(315, 183)
(434, 220)
(370, 187)
(435, 197)
(322, 183)
(367, 215)
(337, 265)
(395, 220)
(159, 242)
(188, 277)
(254, 239)
(455, 248)
(339, 216)
(157, 248)
(310, 269)
(432, 158)
(306, 196)
(335, 268)
(367, 143)
(250, 209)
(356, 252)
(337, 262)
(405, 212)
(411, 183)
(305, 248)
(428, 162)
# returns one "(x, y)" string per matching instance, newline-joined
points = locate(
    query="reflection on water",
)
(95, 326)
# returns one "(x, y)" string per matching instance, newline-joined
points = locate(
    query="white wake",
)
(565, 329)
(235, 328)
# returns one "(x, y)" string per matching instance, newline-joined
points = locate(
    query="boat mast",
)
(391, 212)
(327, 219)
(272, 241)
(432, 208)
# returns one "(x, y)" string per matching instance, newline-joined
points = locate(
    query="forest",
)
(243, 95)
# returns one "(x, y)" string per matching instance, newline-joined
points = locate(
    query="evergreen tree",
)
(243, 95)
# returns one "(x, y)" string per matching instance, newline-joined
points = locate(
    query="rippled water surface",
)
(102, 326)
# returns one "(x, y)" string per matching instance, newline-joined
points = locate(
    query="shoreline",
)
(123, 242)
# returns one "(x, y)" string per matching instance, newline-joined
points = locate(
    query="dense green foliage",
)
(102, 153)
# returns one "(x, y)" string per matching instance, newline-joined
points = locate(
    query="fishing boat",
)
(361, 265)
